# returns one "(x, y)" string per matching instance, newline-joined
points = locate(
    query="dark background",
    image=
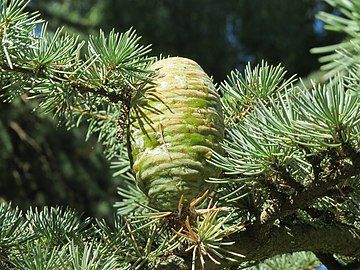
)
(42, 163)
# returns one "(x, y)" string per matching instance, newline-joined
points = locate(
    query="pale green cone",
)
(170, 154)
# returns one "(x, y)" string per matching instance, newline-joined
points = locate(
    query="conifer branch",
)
(316, 190)
(289, 154)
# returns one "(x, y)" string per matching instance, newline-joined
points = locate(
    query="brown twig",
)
(60, 78)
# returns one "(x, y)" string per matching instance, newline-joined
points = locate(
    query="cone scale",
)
(172, 142)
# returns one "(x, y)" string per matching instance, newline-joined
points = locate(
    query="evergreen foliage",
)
(297, 260)
(345, 55)
(290, 172)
